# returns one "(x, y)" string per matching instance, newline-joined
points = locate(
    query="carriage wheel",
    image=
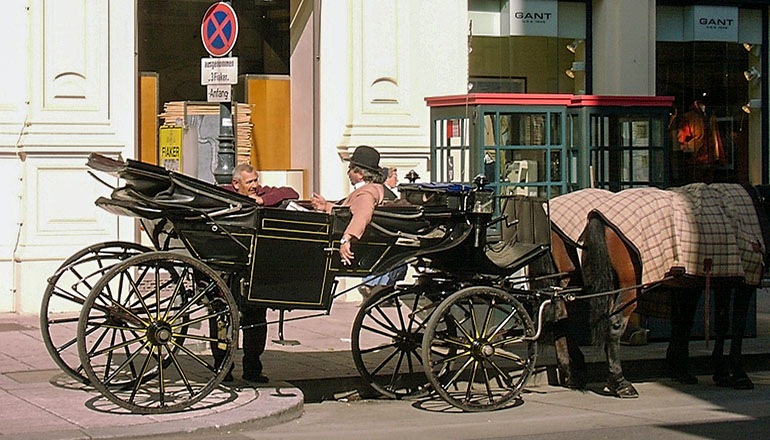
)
(474, 349)
(67, 290)
(146, 324)
(386, 339)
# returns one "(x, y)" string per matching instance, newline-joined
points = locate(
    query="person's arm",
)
(273, 196)
(320, 204)
(361, 210)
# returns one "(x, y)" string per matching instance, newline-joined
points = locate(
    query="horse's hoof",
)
(742, 382)
(634, 336)
(627, 392)
(623, 389)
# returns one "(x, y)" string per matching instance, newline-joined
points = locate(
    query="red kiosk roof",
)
(549, 99)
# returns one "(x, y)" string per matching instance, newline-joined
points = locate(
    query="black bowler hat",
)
(366, 157)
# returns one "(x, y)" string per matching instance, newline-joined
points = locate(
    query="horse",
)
(611, 271)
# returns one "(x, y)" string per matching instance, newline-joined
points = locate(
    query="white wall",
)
(71, 92)
(379, 61)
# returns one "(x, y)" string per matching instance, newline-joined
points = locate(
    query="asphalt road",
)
(664, 410)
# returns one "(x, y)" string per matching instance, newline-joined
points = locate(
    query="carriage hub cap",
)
(159, 333)
(482, 349)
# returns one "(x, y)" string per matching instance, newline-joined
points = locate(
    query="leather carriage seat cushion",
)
(400, 218)
(510, 254)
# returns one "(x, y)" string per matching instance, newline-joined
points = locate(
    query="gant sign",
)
(714, 23)
(530, 17)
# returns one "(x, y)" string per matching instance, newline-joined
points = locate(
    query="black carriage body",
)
(289, 259)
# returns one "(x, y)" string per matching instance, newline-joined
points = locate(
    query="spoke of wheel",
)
(470, 382)
(400, 314)
(511, 314)
(453, 342)
(193, 355)
(194, 300)
(128, 355)
(157, 296)
(161, 376)
(413, 316)
(135, 289)
(197, 337)
(460, 327)
(454, 357)
(390, 324)
(457, 374)
(109, 355)
(197, 320)
(114, 347)
(77, 298)
(384, 362)
(490, 396)
(120, 306)
(395, 371)
(501, 374)
(62, 321)
(128, 361)
(511, 357)
(488, 319)
(417, 355)
(181, 372)
(138, 383)
(177, 288)
(377, 348)
(379, 332)
(101, 337)
(515, 340)
(473, 318)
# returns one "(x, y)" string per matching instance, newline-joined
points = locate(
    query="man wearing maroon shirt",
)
(246, 182)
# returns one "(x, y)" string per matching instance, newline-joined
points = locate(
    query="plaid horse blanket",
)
(680, 227)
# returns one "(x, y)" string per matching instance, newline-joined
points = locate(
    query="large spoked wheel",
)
(475, 350)
(67, 290)
(386, 340)
(144, 329)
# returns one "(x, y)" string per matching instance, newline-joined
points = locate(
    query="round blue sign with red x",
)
(219, 29)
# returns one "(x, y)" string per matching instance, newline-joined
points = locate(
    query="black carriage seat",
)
(407, 223)
(526, 235)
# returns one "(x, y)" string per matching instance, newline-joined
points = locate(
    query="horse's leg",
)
(625, 304)
(721, 324)
(570, 360)
(739, 379)
(683, 305)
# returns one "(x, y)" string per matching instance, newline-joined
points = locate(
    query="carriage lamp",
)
(412, 176)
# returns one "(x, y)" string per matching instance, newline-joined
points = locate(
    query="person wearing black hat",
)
(366, 177)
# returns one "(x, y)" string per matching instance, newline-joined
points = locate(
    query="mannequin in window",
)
(699, 139)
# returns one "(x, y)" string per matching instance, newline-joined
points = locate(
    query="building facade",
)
(359, 70)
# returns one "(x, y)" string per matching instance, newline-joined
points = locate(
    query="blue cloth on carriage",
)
(388, 279)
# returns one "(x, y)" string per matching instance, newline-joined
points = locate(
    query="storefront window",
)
(714, 78)
(526, 46)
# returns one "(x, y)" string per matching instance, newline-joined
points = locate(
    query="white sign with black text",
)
(219, 71)
(530, 17)
(219, 93)
(714, 23)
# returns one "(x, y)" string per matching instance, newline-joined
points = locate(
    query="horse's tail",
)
(597, 277)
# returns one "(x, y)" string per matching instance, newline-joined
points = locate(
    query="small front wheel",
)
(476, 350)
(146, 326)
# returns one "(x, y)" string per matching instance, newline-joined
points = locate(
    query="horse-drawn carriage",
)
(148, 319)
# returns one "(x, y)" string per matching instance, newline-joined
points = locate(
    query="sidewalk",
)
(37, 400)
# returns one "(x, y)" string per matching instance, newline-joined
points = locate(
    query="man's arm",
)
(273, 196)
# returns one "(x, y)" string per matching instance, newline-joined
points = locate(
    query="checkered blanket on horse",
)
(680, 227)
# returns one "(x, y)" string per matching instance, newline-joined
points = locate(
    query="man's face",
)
(354, 177)
(392, 180)
(248, 183)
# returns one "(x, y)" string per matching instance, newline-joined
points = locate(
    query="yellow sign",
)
(170, 143)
